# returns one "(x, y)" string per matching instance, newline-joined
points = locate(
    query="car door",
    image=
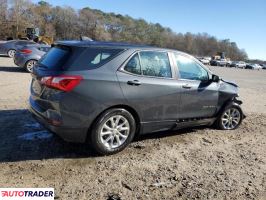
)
(199, 96)
(148, 83)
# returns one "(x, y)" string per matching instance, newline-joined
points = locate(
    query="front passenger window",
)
(189, 69)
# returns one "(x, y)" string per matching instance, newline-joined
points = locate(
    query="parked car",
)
(204, 61)
(219, 62)
(253, 66)
(238, 64)
(228, 63)
(9, 48)
(107, 93)
(263, 66)
(28, 55)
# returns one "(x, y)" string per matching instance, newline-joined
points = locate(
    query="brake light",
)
(26, 51)
(65, 83)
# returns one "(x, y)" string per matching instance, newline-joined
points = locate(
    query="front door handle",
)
(135, 82)
(186, 86)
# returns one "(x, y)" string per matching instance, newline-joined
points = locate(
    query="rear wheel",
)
(112, 131)
(29, 65)
(11, 53)
(230, 118)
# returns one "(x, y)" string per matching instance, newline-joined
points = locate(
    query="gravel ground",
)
(200, 163)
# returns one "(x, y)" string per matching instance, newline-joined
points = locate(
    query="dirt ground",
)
(198, 163)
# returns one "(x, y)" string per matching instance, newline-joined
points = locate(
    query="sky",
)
(241, 21)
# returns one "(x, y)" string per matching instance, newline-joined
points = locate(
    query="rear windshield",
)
(55, 58)
(77, 58)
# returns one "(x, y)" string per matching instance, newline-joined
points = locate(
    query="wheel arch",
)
(25, 65)
(131, 110)
(230, 102)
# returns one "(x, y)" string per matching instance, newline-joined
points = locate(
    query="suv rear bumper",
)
(69, 134)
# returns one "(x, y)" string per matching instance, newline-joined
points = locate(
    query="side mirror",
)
(215, 78)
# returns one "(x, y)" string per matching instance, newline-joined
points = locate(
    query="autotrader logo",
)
(27, 193)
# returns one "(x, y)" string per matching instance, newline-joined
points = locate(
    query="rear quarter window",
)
(77, 58)
(90, 58)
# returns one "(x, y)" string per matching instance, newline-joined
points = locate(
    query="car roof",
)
(79, 43)
(37, 45)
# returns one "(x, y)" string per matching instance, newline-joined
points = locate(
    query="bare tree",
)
(67, 23)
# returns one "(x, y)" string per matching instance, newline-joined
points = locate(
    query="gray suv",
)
(107, 93)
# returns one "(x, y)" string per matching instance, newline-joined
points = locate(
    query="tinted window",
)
(77, 58)
(100, 57)
(155, 64)
(189, 69)
(45, 49)
(55, 58)
(133, 65)
(89, 58)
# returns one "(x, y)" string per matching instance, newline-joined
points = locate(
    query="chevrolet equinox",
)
(106, 93)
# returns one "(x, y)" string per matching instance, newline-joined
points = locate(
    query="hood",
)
(230, 82)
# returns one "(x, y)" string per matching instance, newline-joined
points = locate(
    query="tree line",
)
(67, 23)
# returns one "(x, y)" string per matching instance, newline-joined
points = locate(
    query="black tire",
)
(219, 123)
(95, 139)
(27, 66)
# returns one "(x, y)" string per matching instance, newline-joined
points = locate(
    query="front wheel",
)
(112, 131)
(230, 118)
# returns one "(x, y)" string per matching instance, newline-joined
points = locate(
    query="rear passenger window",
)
(155, 64)
(133, 65)
(150, 63)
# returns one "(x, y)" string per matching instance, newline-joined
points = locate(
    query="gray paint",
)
(159, 102)
(13, 44)
(20, 59)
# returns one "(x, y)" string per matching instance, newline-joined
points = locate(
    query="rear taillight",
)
(26, 51)
(64, 82)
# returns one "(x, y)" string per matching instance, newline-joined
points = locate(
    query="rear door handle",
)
(135, 82)
(186, 86)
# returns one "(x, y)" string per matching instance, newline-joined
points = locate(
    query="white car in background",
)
(263, 66)
(253, 66)
(204, 60)
(238, 64)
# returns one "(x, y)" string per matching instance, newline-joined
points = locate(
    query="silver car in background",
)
(28, 55)
(9, 48)
(204, 60)
(253, 66)
(238, 64)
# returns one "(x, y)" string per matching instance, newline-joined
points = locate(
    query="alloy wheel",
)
(114, 131)
(30, 65)
(11, 53)
(231, 118)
